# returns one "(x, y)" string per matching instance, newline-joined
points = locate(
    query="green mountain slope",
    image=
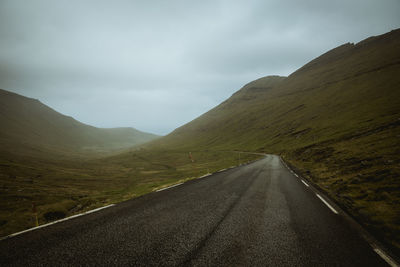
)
(27, 125)
(49, 159)
(345, 91)
(336, 120)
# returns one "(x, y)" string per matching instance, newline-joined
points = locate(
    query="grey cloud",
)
(155, 65)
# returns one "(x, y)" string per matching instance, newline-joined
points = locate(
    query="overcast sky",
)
(156, 65)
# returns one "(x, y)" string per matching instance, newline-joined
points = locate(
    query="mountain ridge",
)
(315, 79)
(28, 122)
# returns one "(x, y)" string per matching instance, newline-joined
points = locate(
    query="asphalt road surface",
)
(254, 215)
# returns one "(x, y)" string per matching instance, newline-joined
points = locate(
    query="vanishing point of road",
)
(258, 214)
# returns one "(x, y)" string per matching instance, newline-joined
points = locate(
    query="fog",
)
(156, 65)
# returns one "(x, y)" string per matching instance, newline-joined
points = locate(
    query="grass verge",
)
(63, 188)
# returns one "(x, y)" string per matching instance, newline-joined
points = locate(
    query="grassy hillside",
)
(336, 119)
(63, 187)
(29, 126)
(347, 90)
(46, 158)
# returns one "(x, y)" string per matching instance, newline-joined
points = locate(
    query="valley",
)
(335, 120)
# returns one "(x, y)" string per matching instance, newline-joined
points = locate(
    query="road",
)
(254, 215)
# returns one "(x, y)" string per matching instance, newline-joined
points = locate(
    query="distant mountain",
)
(336, 119)
(27, 126)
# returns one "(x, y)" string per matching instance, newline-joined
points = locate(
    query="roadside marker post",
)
(34, 211)
(191, 157)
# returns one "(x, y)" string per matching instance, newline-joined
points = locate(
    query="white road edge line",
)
(381, 253)
(305, 183)
(385, 257)
(295, 174)
(58, 221)
(168, 187)
(327, 204)
(205, 175)
(222, 170)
